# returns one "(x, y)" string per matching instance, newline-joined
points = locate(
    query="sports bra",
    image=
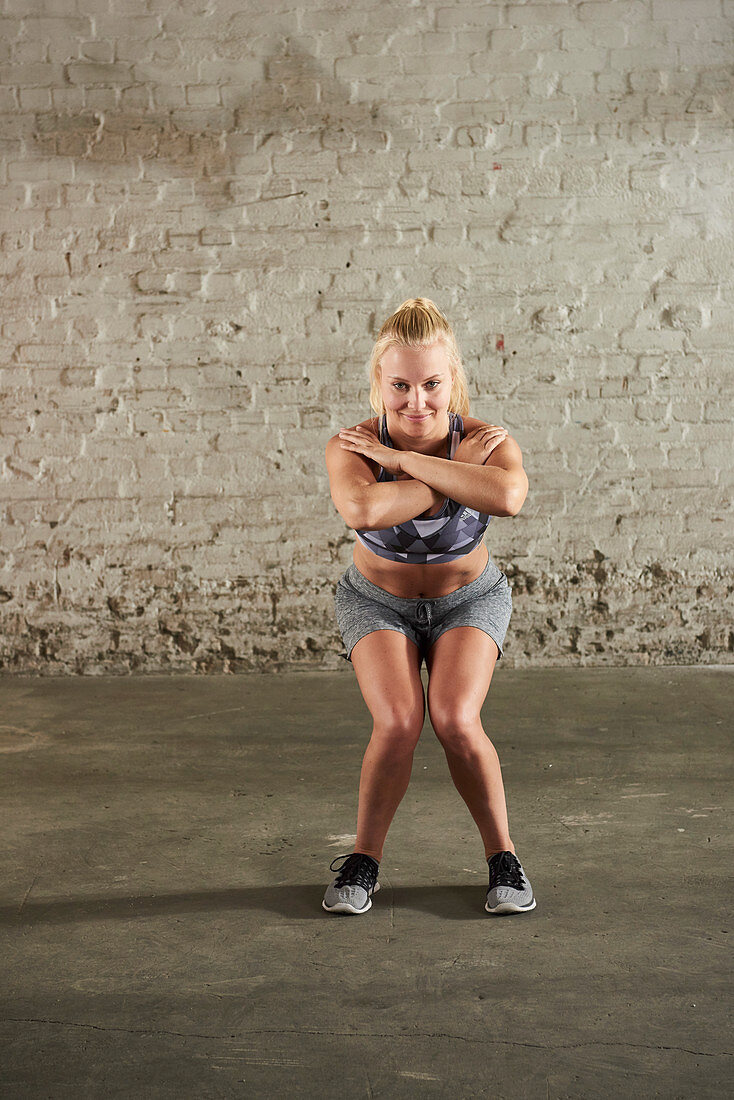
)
(450, 533)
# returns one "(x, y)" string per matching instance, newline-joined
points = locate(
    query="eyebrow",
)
(399, 379)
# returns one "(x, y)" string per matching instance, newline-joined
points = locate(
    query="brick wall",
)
(205, 218)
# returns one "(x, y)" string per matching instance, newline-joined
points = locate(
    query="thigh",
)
(460, 665)
(387, 665)
(358, 615)
(490, 612)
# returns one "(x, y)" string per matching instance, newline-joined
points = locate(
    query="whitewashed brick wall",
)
(208, 210)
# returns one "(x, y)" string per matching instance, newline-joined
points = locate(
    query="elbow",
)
(355, 515)
(515, 500)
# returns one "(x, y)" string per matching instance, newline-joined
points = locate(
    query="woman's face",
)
(416, 386)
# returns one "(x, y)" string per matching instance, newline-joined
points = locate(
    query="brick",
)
(468, 15)
(43, 74)
(89, 72)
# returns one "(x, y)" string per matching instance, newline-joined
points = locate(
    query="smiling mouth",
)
(424, 417)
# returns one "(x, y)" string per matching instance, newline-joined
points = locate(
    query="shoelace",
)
(505, 870)
(358, 869)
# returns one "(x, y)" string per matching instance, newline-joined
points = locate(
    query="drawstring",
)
(423, 613)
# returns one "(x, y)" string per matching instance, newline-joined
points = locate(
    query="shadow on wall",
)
(210, 171)
(224, 150)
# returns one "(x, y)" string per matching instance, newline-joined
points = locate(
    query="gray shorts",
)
(362, 607)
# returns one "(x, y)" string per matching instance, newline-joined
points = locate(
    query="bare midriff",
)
(426, 582)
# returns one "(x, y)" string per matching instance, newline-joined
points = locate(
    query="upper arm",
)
(508, 456)
(350, 474)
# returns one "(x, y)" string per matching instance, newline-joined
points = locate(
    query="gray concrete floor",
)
(166, 848)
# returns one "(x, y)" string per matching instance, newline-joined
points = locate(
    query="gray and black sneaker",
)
(352, 889)
(509, 890)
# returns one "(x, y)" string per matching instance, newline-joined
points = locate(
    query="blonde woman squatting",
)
(419, 483)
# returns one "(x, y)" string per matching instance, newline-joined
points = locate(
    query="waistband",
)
(487, 579)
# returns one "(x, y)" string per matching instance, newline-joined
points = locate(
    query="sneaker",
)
(352, 889)
(509, 890)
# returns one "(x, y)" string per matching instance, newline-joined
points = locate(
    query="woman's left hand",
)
(477, 445)
(367, 443)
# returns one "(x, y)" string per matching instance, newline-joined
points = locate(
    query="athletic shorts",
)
(362, 607)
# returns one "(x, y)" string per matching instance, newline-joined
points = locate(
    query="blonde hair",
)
(418, 322)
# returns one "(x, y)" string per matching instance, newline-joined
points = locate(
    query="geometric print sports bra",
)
(450, 533)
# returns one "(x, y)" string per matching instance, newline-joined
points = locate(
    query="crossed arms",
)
(498, 487)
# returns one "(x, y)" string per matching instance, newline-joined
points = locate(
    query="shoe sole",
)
(345, 907)
(509, 907)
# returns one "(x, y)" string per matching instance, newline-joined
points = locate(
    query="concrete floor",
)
(166, 848)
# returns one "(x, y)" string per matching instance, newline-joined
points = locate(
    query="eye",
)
(434, 382)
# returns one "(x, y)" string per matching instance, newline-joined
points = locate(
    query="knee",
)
(457, 727)
(398, 731)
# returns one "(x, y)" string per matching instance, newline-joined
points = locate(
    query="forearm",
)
(487, 489)
(388, 503)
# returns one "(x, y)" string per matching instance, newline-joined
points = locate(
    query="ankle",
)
(495, 851)
(377, 856)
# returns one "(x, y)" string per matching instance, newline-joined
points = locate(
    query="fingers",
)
(494, 428)
(359, 432)
(492, 433)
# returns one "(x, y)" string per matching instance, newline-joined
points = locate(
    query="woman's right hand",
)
(365, 441)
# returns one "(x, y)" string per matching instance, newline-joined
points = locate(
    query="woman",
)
(419, 486)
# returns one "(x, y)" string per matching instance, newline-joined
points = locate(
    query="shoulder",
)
(338, 457)
(373, 425)
(507, 454)
(510, 444)
(471, 422)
